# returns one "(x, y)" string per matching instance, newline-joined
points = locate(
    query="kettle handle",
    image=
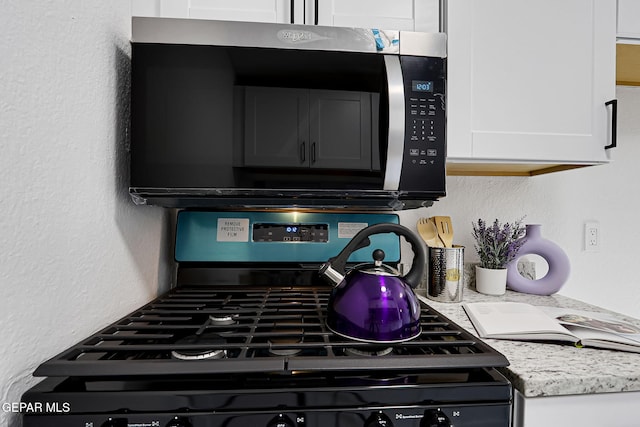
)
(361, 240)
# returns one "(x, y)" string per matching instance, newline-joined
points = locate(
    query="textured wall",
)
(75, 253)
(562, 202)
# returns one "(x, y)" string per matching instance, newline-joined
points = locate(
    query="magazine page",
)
(513, 320)
(596, 328)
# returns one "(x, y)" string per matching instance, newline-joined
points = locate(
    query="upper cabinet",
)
(530, 85)
(629, 20)
(411, 15)
(628, 48)
(408, 15)
(283, 11)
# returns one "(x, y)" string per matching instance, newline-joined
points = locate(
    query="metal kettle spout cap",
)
(331, 274)
(334, 269)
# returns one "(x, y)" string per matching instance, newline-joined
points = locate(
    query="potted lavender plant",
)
(496, 245)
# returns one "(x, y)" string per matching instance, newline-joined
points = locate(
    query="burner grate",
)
(270, 330)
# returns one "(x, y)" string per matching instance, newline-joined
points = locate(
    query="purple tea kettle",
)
(373, 302)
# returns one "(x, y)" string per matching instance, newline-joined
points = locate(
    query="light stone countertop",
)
(543, 369)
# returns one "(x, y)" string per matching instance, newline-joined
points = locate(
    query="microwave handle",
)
(395, 147)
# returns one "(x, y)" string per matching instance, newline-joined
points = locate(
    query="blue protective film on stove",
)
(244, 236)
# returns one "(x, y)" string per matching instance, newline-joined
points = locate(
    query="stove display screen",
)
(263, 232)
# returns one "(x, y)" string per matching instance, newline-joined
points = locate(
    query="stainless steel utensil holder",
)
(445, 274)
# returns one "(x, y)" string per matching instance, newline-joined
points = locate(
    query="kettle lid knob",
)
(378, 257)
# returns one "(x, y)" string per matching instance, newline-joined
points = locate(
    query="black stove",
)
(247, 346)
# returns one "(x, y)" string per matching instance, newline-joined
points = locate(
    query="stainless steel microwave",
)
(244, 114)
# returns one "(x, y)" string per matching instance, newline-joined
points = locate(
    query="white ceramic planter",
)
(491, 281)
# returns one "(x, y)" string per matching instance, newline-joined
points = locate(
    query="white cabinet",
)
(410, 15)
(584, 410)
(528, 83)
(628, 48)
(284, 11)
(629, 19)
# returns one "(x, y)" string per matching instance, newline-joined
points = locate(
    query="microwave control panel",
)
(424, 153)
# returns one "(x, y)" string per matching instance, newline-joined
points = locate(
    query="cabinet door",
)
(276, 127)
(340, 129)
(282, 11)
(409, 15)
(160, 8)
(528, 81)
(629, 19)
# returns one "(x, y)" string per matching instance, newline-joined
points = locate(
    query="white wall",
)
(562, 202)
(75, 253)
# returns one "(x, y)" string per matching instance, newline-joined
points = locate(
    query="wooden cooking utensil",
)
(429, 233)
(445, 230)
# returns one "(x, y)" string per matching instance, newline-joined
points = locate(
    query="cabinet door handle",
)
(315, 11)
(313, 153)
(443, 15)
(293, 15)
(614, 123)
(303, 150)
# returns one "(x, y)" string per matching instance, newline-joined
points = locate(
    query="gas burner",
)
(371, 351)
(223, 319)
(293, 341)
(213, 341)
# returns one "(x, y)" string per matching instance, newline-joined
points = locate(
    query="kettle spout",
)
(330, 274)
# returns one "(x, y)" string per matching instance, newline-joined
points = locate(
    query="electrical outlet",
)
(592, 236)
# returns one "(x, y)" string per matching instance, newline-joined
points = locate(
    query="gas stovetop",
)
(208, 329)
(241, 340)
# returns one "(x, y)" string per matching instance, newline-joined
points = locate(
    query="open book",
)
(525, 322)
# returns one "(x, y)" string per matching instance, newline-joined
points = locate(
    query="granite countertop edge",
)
(545, 369)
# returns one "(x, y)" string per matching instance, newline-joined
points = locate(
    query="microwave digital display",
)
(422, 86)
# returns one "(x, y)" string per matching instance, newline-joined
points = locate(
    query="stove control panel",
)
(287, 236)
(489, 414)
(293, 232)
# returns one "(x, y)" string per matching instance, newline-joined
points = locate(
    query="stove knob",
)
(179, 422)
(115, 422)
(378, 420)
(435, 418)
(281, 421)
